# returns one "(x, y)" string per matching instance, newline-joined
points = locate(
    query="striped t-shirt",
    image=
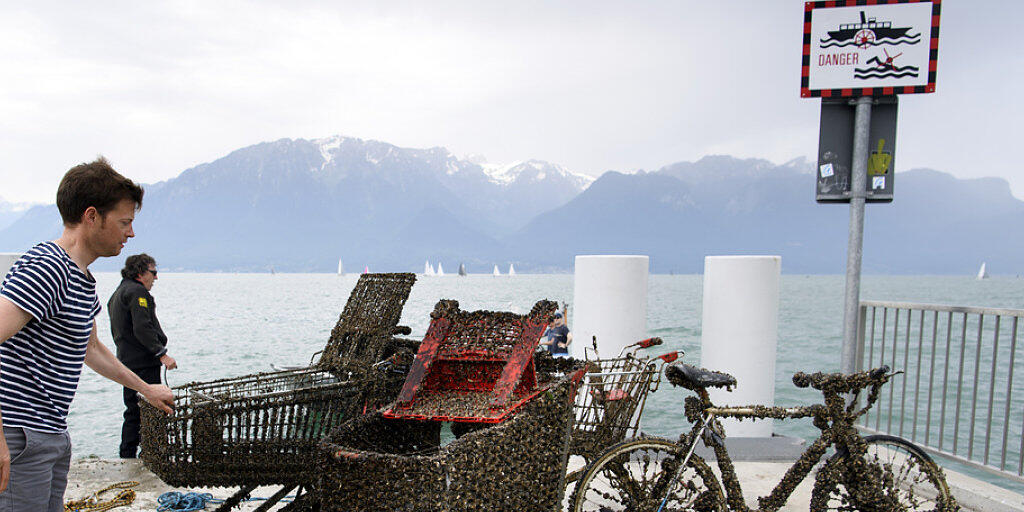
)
(40, 365)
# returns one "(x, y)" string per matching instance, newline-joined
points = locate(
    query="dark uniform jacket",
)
(140, 340)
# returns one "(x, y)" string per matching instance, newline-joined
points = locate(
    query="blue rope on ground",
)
(174, 501)
(184, 501)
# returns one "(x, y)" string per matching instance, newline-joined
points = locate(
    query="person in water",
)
(48, 307)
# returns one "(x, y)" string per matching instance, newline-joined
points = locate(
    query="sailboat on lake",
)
(496, 271)
(982, 273)
(341, 268)
(462, 269)
(440, 269)
(427, 269)
(511, 270)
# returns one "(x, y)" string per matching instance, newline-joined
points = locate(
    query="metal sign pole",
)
(855, 246)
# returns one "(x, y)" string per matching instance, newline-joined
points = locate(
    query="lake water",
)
(227, 325)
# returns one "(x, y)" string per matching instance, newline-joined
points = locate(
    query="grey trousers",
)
(39, 471)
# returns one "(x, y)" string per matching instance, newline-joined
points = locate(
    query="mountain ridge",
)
(300, 205)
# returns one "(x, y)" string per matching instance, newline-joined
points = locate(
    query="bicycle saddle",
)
(693, 378)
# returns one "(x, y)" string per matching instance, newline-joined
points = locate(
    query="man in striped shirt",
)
(48, 306)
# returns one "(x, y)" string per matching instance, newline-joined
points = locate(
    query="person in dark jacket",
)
(558, 336)
(141, 343)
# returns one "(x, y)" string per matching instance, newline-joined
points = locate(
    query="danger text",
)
(838, 59)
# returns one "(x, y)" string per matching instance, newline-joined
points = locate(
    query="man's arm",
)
(12, 319)
(143, 327)
(102, 361)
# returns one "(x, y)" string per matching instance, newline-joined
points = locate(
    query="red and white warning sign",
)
(875, 48)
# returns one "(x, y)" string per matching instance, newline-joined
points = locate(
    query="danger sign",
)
(854, 49)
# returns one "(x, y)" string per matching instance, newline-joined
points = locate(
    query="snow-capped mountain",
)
(532, 171)
(363, 200)
(503, 197)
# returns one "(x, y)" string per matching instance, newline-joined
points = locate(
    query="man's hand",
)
(168, 361)
(160, 396)
(5, 463)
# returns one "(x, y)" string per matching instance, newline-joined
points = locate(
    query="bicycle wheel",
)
(895, 475)
(637, 475)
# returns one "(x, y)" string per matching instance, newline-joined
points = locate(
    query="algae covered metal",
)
(262, 429)
(473, 375)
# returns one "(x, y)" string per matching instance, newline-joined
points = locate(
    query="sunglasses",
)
(151, 271)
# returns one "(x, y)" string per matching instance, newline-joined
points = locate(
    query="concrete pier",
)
(91, 474)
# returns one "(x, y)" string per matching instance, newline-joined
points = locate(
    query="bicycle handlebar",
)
(649, 342)
(669, 357)
(841, 382)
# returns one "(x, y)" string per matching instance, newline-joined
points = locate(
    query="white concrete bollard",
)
(739, 333)
(6, 260)
(610, 302)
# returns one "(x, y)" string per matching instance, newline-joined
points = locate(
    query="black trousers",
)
(130, 428)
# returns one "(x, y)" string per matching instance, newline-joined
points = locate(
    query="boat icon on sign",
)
(869, 32)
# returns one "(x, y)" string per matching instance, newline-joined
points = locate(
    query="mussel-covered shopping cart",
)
(512, 408)
(263, 429)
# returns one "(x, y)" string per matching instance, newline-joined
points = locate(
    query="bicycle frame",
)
(834, 418)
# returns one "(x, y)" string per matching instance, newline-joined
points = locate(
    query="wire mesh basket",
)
(256, 430)
(611, 399)
(262, 429)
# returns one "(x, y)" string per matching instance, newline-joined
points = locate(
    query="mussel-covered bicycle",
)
(873, 473)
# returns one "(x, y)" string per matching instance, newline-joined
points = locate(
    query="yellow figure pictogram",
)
(143, 302)
(879, 161)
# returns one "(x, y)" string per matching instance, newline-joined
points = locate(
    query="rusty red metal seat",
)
(473, 366)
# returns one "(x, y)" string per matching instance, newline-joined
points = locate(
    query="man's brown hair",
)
(94, 184)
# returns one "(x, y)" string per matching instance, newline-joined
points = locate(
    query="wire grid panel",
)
(260, 429)
(372, 312)
(482, 334)
(610, 403)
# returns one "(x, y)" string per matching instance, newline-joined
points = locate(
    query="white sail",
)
(366, 269)
(496, 271)
(341, 268)
(440, 269)
(511, 270)
(427, 269)
(982, 274)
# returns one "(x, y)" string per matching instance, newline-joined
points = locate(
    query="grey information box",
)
(835, 150)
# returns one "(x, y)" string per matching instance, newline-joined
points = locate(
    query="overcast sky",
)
(159, 87)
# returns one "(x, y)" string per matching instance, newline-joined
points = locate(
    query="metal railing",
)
(957, 397)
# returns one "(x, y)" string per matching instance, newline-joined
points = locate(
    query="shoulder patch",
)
(143, 302)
